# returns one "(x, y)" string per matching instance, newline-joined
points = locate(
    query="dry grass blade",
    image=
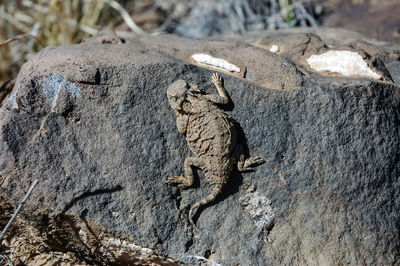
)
(19, 37)
(125, 16)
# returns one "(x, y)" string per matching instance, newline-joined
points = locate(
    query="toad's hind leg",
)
(188, 179)
(243, 164)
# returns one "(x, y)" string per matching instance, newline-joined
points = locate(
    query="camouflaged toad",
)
(211, 136)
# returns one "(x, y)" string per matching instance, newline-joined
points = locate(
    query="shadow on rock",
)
(89, 194)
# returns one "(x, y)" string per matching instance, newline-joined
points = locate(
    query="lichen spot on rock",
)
(259, 208)
(347, 63)
(208, 60)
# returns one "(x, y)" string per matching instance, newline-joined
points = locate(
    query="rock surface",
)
(93, 124)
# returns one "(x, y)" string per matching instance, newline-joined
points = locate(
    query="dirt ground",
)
(67, 240)
(378, 19)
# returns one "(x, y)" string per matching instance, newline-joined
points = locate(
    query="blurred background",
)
(26, 26)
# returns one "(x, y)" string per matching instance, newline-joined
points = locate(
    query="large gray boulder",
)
(93, 124)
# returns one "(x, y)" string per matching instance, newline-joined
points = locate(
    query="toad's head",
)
(179, 92)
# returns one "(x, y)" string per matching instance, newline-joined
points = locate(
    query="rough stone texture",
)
(103, 144)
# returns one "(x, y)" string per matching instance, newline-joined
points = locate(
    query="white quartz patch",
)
(274, 48)
(347, 63)
(201, 259)
(132, 246)
(208, 60)
(13, 98)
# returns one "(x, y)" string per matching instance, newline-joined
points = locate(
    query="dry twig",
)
(18, 209)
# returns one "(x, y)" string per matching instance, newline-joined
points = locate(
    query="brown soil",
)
(376, 19)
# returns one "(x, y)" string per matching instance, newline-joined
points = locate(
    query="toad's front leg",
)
(222, 96)
(188, 179)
